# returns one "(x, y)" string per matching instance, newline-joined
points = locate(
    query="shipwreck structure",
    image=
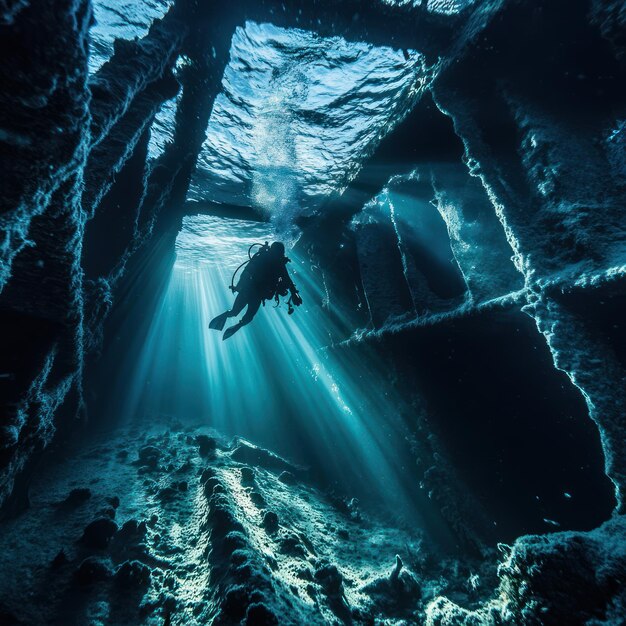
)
(502, 120)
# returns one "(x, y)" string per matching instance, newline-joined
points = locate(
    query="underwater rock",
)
(259, 614)
(170, 492)
(270, 521)
(206, 445)
(398, 591)
(290, 544)
(251, 455)
(233, 541)
(305, 573)
(92, 570)
(258, 499)
(114, 501)
(247, 476)
(133, 574)
(184, 468)
(108, 512)
(563, 578)
(76, 497)
(295, 571)
(133, 66)
(149, 456)
(131, 531)
(533, 574)
(287, 477)
(99, 533)
(235, 602)
(330, 579)
(59, 560)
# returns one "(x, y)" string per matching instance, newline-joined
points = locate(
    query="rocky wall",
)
(540, 145)
(64, 139)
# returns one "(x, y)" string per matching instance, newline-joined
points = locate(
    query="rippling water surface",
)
(123, 19)
(297, 115)
(212, 240)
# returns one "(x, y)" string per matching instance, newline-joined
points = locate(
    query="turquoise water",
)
(273, 382)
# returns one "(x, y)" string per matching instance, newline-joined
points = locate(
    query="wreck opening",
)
(275, 385)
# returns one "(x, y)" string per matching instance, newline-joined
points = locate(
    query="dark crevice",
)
(515, 428)
(117, 215)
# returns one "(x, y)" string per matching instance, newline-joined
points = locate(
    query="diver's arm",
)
(295, 295)
(286, 279)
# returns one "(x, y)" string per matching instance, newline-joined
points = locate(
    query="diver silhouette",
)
(265, 277)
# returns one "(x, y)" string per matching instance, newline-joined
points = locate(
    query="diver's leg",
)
(240, 302)
(217, 323)
(253, 307)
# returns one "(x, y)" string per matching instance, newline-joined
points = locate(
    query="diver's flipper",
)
(217, 323)
(229, 332)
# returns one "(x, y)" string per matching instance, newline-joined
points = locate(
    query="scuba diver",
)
(264, 278)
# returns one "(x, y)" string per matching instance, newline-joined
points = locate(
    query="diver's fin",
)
(229, 332)
(217, 323)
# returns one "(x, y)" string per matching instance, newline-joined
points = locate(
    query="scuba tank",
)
(264, 248)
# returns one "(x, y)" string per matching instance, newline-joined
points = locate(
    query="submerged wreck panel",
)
(436, 435)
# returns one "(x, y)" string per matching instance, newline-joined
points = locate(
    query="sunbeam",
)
(273, 382)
